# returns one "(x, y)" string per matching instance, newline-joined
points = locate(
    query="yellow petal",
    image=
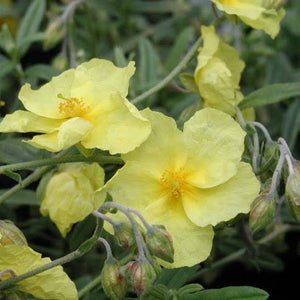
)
(24, 121)
(44, 101)
(119, 127)
(216, 144)
(134, 186)
(53, 284)
(192, 244)
(105, 76)
(270, 23)
(71, 195)
(164, 146)
(222, 203)
(70, 133)
(250, 8)
(218, 72)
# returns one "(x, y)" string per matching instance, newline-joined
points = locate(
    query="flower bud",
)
(55, 32)
(160, 243)
(10, 234)
(113, 282)
(124, 234)
(262, 211)
(142, 275)
(292, 191)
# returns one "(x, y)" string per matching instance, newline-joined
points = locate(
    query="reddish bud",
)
(113, 281)
(160, 243)
(10, 234)
(142, 275)
(124, 234)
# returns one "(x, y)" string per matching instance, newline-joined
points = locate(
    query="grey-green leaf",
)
(271, 94)
(31, 21)
(22, 197)
(41, 71)
(231, 293)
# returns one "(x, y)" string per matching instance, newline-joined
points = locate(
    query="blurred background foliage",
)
(40, 39)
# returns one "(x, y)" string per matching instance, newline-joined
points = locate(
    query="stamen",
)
(72, 107)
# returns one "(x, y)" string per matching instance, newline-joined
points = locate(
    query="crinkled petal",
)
(71, 195)
(222, 203)
(134, 186)
(216, 144)
(192, 244)
(44, 101)
(119, 128)
(104, 76)
(270, 23)
(53, 284)
(250, 8)
(165, 145)
(70, 133)
(24, 121)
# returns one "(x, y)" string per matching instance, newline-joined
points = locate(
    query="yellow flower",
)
(86, 105)
(188, 181)
(259, 14)
(70, 194)
(52, 284)
(218, 72)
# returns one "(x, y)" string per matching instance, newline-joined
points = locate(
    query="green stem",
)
(60, 261)
(171, 75)
(36, 175)
(102, 159)
(239, 253)
(95, 282)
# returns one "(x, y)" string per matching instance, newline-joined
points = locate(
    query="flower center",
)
(72, 107)
(174, 183)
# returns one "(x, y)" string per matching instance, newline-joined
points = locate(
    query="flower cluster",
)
(184, 181)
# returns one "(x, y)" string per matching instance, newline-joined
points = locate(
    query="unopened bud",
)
(262, 211)
(55, 32)
(142, 275)
(160, 243)
(292, 191)
(124, 234)
(10, 234)
(113, 281)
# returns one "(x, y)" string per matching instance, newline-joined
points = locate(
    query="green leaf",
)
(36, 37)
(87, 245)
(120, 58)
(189, 289)
(22, 197)
(31, 22)
(231, 293)
(6, 66)
(148, 64)
(13, 150)
(13, 175)
(188, 82)
(7, 42)
(291, 124)
(176, 278)
(271, 94)
(41, 71)
(179, 48)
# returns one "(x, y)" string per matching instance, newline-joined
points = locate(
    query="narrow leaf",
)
(31, 21)
(179, 48)
(22, 197)
(231, 293)
(41, 71)
(12, 175)
(6, 66)
(271, 94)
